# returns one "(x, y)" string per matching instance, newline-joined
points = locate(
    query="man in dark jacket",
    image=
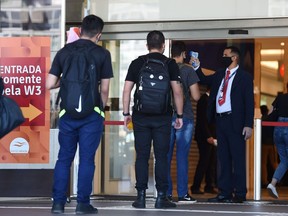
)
(231, 105)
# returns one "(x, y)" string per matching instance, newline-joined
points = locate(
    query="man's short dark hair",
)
(91, 26)
(155, 40)
(234, 50)
(177, 48)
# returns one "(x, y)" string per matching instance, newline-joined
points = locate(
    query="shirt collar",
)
(233, 69)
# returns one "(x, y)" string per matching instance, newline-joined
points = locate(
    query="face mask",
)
(227, 61)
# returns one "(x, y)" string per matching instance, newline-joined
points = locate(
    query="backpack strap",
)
(145, 58)
(100, 109)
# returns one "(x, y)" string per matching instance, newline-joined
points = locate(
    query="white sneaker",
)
(272, 191)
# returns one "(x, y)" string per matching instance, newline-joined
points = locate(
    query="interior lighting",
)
(270, 64)
(272, 51)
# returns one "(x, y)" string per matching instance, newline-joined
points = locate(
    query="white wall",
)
(165, 10)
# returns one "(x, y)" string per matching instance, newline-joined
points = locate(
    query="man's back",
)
(134, 69)
(152, 128)
(188, 78)
(152, 94)
(83, 133)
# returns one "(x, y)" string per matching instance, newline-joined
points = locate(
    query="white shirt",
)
(226, 107)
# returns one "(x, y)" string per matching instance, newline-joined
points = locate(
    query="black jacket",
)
(242, 97)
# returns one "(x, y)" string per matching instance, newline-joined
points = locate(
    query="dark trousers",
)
(206, 165)
(231, 154)
(150, 129)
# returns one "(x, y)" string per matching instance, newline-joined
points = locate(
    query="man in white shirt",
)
(231, 105)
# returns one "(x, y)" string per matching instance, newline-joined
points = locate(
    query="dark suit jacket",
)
(203, 129)
(242, 97)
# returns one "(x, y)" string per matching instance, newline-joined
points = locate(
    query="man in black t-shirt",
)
(152, 127)
(86, 131)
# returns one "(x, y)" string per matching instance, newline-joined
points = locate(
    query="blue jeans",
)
(87, 132)
(281, 141)
(183, 138)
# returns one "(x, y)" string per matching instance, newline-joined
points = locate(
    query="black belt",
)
(224, 114)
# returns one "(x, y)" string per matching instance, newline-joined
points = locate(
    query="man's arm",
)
(104, 90)
(178, 96)
(194, 91)
(52, 81)
(248, 98)
(178, 100)
(128, 86)
(249, 108)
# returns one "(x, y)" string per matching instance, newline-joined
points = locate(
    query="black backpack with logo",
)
(79, 84)
(152, 93)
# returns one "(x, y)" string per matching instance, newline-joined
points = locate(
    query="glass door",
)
(116, 163)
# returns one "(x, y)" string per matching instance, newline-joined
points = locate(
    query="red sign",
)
(24, 64)
(24, 80)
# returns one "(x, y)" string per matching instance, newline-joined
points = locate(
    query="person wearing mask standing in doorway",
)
(231, 105)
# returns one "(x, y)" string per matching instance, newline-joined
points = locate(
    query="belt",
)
(224, 114)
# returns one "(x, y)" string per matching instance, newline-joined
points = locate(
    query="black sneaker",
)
(57, 208)
(85, 209)
(187, 199)
(169, 197)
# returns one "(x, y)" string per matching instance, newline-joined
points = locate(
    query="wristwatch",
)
(179, 115)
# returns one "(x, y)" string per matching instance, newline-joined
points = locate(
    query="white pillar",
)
(257, 159)
(75, 168)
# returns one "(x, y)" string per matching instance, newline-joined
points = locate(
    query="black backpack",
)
(152, 93)
(79, 84)
(10, 113)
